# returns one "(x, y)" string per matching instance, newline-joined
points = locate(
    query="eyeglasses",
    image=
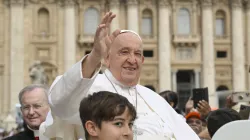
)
(33, 106)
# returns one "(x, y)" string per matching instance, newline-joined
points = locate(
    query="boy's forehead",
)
(126, 115)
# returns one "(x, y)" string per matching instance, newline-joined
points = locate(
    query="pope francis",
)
(122, 53)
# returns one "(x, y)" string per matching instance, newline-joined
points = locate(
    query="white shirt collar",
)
(36, 132)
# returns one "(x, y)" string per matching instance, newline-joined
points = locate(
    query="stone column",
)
(194, 10)
(248, 39)
(69, 34)
(174, 80)
(16, 50)
(115, 8)
(197, 78)
(1, 92)
(208, 51)
(174, 18)
(132, 15)
(238, 49)
(164, 46)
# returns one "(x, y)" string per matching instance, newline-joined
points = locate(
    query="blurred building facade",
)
(187, 43)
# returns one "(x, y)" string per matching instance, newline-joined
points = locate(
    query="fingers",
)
(99, 28)
(110, 18)
(193, 110)
(114, 34)
(105, 18)
(204, 105)
(112, 37)
(108, 42)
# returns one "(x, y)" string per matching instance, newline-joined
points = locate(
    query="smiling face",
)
(34, 107)
(125, 58)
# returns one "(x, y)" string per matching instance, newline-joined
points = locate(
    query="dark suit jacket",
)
(25, 135)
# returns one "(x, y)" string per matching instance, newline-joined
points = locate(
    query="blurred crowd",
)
(204, 120)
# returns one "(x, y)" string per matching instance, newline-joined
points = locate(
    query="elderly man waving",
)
(122, 53)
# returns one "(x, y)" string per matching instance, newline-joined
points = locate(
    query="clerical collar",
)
(113, 80)
(36, 132)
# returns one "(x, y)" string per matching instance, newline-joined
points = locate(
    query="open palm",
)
(102, 39)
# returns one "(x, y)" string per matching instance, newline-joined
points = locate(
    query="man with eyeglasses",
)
(34, 108)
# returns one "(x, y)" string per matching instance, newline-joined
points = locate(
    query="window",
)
(220, 23)
(183, 23)
(43, 21)
(146, 27)
(222, 88)
(221, 54)
(91, 21)
(148, 53)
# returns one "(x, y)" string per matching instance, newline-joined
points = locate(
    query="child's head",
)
(107, 116)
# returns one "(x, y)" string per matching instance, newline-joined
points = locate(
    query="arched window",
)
(91, 21)
(147, 22)
(222, 88)
(183, 23)
(43, 21)
(220, 23)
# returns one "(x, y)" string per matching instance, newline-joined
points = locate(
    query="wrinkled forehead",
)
(132, 32)
(128, 38)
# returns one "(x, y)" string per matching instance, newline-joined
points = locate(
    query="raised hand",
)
(204, 108)
(102, 40)
(102, 43)
(229, 101)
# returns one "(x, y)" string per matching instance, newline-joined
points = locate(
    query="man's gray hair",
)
(32, 87)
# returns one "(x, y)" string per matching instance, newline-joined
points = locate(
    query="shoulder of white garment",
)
(149, 92)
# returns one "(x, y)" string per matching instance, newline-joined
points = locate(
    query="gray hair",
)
(32, 87)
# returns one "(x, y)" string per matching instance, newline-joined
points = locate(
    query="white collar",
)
(36, 132)
(113, 80)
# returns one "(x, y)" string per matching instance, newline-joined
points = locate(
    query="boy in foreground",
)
(107, 116)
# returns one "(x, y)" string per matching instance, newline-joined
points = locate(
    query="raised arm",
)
(101, 46)
(68, 90)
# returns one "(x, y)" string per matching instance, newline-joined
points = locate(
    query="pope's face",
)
(34, 107)
(125, 58)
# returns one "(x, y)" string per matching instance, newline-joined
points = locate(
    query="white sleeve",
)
(68, 90)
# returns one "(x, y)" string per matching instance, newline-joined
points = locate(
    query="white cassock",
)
(155, 116)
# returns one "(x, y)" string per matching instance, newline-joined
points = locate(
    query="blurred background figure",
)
(172, 98)
(34, 108)
(194, 120)
(1, 133)
(220, 117)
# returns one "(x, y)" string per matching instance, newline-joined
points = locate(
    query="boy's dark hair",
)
(104, 106)
(170, 96)
(220, 117)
